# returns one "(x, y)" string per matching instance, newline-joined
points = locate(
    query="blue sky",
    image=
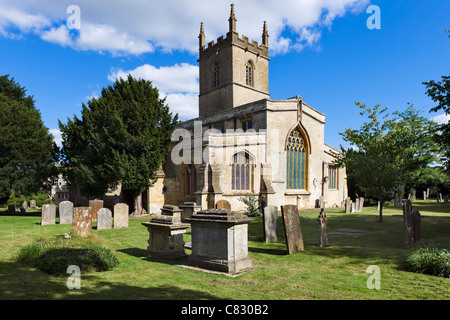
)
(320, 50)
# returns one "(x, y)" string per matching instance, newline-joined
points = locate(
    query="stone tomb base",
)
(220, 241)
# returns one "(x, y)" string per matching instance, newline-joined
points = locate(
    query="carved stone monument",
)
(270, 215)
(188, 209)
(323, 233)
(121, 213)
(82, 220)
(95, 205)
(48, 214)
(66, 212)
(220, 241)
(292, 229)
(104, 219)
(166, 237)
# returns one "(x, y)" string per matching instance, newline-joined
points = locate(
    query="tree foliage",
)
(439, 92)
(387, 151)
(27, 150)
(122, 137)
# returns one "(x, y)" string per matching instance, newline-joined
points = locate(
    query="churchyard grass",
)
(337, 271)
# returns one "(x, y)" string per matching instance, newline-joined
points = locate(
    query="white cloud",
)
(56, 137)
(140, 26)
(442, 118)
(179, 83)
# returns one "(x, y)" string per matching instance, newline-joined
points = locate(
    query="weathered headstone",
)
(293, 232)
(424, 195)
(220, 241)
(348, 205)
(23, 206)
(361, 204)
(104, 219)
(48, 215)
(357, 204)
(270, 216)
(66, 212)
(121, 213)
(397, 200)
(223, 204)
(353, 205)
(32, 203)
(411, 222)
(95, 205)
(323, 233)
(166, 237)
(82, 220)
(11, 208)
(440, 197)
(171, 210)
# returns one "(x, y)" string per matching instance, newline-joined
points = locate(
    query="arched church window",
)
(296, 161)
(241, 171)
(215, 74)
(249, 73)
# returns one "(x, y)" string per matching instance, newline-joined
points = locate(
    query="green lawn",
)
(334, 272)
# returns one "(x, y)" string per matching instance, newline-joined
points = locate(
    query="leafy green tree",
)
(388, 150)
(439, 92)
(27, 150)
(122, 138)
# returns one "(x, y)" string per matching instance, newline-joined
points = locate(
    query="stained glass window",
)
(241, 172)
(296, 161)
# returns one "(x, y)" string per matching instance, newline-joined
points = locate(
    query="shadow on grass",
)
(20, 282)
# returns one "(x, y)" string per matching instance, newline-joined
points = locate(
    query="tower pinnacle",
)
(232, 19)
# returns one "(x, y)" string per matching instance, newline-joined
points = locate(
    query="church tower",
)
(233, 71)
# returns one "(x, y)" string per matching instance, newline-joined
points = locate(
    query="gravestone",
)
(188, 209)
(446, 198)
(357, 204)
(397, 200)
(411, 224)
(348, 205)
(353, 205)
(66, 212)
(166, 237)
(293, 232)
(440, 197)
(95, 205)
(121, 214)
(23, 206)
(82, 220)
(32, 203)
(323, 234)
(48, 215)
(104, 219)
(220, 241)
(361, 204)
(223, 204)
(170, 210)
(424, 195)
(11, 208)
(270, 216)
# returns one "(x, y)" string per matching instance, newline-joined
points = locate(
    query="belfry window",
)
(249, 74)
(296, 161)
(215, 75)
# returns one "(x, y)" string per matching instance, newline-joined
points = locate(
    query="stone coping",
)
(174, 226)
(219, 216)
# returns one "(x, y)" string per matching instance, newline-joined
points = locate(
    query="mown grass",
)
(337, 271)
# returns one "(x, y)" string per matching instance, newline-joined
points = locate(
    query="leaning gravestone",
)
(292, 229)
(323, 234)
(270, 223)
(48, 214)
(82, 220)
(104, 219)
(121, 216)
(66, 212)
(95, 205)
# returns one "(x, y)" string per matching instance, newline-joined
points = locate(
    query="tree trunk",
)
(138, 207)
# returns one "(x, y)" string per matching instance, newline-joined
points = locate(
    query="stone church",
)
(245, 143)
